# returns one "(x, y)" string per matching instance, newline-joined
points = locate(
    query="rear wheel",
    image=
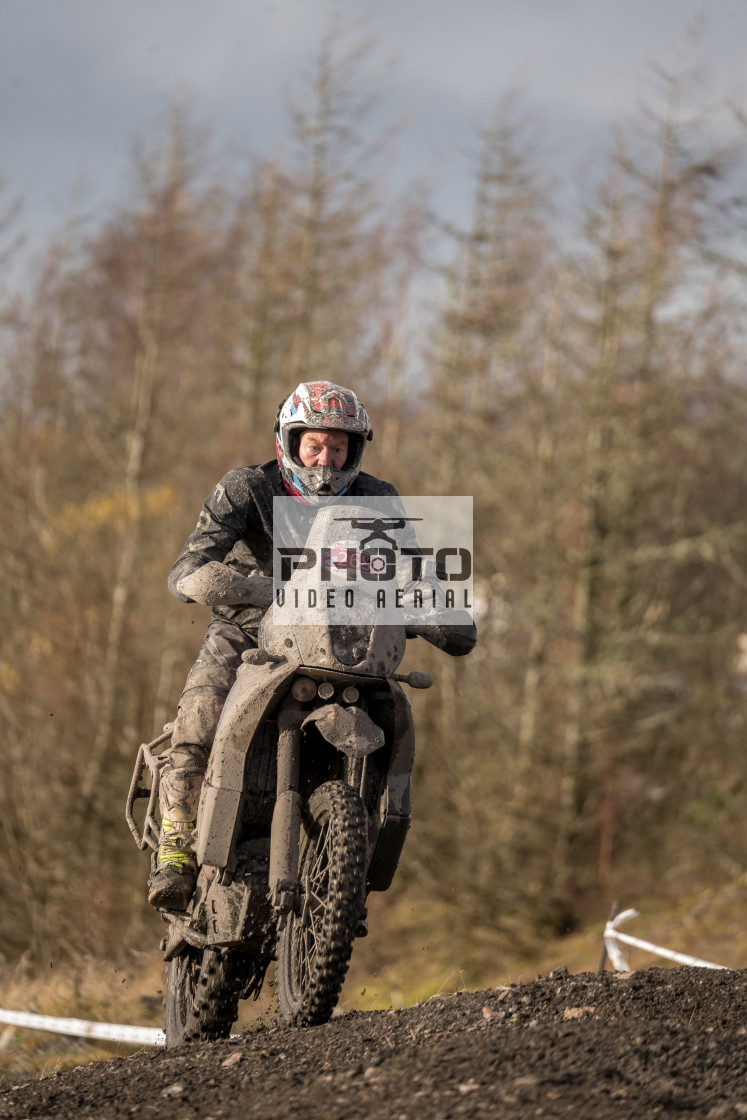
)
(203, 988)
(315, 945)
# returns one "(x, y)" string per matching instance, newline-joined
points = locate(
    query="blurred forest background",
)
(578, 368)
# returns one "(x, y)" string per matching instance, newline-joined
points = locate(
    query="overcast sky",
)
(81, 79)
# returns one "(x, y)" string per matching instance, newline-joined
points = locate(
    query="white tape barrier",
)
(150, 1036)
(80, 1028)
(613, 938)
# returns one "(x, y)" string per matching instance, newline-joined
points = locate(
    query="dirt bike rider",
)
(321, 430)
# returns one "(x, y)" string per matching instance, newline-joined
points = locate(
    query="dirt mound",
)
(661, 1042)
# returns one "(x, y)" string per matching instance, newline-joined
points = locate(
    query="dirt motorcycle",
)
(306, 800)
(304, 810)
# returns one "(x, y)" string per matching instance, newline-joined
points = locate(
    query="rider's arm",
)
(458, 636)
(216, 584)
(199, 574)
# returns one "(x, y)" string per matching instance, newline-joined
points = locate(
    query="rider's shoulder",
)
(240, 483)
(367, 484)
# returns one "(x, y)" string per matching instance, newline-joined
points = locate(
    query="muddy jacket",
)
(235, 526)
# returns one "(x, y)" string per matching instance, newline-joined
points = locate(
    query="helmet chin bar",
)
(322, 481)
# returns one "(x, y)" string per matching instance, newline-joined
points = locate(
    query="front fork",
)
(285, 833)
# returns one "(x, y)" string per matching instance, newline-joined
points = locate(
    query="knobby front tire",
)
(315, 945)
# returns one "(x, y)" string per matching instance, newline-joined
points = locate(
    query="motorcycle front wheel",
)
(315, 944)
(203, 988)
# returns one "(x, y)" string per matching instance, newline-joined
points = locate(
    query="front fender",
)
(350, 729)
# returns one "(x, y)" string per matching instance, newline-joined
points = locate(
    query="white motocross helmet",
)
(320, 404)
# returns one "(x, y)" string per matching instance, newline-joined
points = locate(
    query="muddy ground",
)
(661, 1042)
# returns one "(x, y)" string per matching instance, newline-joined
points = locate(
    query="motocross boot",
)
(173, 882)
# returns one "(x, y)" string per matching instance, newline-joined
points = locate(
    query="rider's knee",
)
(197, 718)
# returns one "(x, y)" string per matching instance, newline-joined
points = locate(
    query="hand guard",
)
(456, 639)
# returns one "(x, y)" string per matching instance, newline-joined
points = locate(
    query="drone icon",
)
(379, 527)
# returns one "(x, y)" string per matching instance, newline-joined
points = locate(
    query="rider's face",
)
(320, 448)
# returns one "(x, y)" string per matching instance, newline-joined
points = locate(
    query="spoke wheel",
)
(315, 945)
(202, 994)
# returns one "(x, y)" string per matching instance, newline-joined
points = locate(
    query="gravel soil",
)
(661, 1042)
